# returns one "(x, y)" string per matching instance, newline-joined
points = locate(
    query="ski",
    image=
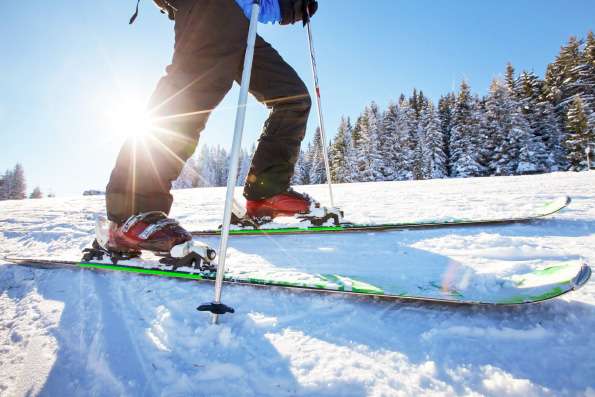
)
(531, 287)
(541, 211)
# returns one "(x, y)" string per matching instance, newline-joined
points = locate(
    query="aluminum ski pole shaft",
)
(235, 151)
(320, 117)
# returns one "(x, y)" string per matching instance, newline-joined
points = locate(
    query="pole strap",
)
(135, 15)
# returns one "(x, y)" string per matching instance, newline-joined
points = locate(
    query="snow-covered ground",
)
(83, 333)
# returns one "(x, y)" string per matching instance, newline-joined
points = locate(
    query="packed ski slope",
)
(81, 333)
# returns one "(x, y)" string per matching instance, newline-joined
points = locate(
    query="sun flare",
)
(129, 118)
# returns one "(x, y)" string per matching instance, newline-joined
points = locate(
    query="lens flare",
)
(129, 118)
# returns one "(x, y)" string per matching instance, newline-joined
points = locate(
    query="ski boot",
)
(291, 203)
(149, 231)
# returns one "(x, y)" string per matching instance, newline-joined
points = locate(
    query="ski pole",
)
(319, 109)
(216, 307)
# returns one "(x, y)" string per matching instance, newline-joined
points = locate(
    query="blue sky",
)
(68, 67)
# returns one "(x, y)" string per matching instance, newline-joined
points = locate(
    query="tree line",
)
(14, 187)
(210, 168)
(525, 124)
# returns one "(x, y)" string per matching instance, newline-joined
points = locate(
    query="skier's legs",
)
(205, 62)
(277, 85)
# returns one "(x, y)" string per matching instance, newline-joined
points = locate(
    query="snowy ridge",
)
(111, 334)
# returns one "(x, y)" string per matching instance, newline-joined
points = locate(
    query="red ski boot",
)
(291, 203)
(288, 203)
(149, 231)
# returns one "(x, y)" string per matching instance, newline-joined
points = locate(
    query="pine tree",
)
(586, 79)
(5, 185)
(446, 106)
(298, 172)
(302, 172)
(483, 143)
(245, 162)
(510, 78)
(433, 156)
(407, 141)
(366, 131)
(317, 172)
(534, 155)
(570, 60)
(389, 142)
(422, 102)
(18, 188)
(360, 131)
(413, 102)
(221, 166)
(461, 114)
(417, 102)
(501, 144)
(464, 140)
(402, 151)
(308, 163)
(188, 178)
(351, 171)
(515, 147)
(580, 135)
(357, 150)
(376, 167)
(339, 153)
(418, 158)
(553, 137)
(204, 170)
(36, 193)
(561, 80)
(550, 119)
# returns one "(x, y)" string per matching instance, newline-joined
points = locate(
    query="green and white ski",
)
(534, 286)
(539, 211)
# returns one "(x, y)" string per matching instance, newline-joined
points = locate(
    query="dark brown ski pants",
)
(208, 57)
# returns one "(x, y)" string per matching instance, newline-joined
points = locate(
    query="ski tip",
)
(582, 277)
(560, 202)
(554, 206)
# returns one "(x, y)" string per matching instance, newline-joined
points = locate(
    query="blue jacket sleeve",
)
(270, 11)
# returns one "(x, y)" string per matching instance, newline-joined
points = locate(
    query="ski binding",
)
(318, 216)
(191, 254)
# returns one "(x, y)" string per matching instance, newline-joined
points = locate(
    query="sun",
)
(129, 118)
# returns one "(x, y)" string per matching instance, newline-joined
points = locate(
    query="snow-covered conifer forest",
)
(13, 185)
(524, 125)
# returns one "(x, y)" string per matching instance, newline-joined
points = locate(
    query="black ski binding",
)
(97, 252)
(193, 260)
(215, 308)
(245, 221)
(321, 220)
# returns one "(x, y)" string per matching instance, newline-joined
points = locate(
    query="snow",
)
(80, 333)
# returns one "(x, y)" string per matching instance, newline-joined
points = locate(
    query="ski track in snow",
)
(81, 333)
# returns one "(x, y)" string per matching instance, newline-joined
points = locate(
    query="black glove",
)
(293, 11)
(309, 8)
